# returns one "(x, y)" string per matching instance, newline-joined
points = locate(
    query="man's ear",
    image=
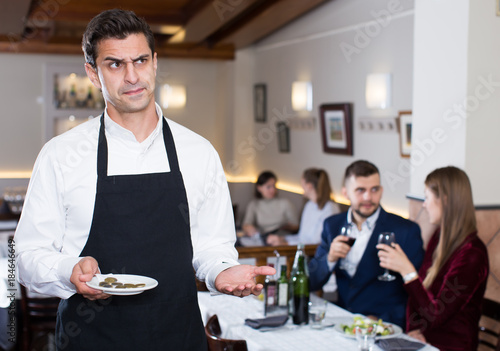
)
(155, 62)
(93, 76)
(344, 192)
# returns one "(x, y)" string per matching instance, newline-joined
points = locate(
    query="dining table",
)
(232, 312)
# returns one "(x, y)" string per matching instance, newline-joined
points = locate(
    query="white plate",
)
(123, 278)
(349, 321)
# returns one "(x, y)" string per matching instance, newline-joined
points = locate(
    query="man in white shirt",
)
(357, 267)
(132, 193)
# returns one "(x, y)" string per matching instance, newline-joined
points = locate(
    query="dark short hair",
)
(113, 24)
(262, 179)
(360, 168)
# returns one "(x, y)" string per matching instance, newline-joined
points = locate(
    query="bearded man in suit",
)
(357, 267)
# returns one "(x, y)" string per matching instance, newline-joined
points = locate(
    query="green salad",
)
(368, 324)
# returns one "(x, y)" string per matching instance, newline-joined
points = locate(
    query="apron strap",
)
(102, 153)
(170, 147)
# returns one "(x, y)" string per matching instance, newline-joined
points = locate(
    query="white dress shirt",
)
(351, 261)
(59, 205)
(311, 223)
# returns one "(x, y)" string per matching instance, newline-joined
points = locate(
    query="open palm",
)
(240, 280)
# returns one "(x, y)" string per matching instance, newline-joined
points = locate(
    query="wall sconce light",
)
(172, 96)
(302, 96)
(378, 90)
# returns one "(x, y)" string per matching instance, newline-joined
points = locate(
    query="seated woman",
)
(318, 191)
(445, 296)
(269, 213)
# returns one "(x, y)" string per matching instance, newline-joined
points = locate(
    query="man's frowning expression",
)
(126, 71)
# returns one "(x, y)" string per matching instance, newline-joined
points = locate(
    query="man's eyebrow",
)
(114, 59)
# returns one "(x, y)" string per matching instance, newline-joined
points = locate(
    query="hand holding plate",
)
(83, 272)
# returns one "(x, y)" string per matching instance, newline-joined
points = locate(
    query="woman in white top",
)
(269, 213)
(317, 190)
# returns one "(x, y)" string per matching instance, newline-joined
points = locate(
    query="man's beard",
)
(363, 215)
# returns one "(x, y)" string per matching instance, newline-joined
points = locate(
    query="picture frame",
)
(336, 128)
(283, 131)
(260, 102)
(404, 123)
(498, 7)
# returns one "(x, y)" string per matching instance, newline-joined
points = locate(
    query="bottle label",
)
(283, 294)
(271, 293)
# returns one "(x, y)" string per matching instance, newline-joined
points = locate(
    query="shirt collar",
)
(114, 129)
(369, 222)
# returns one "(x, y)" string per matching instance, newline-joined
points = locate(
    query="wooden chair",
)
(487, 334)
(216, 343)
(39, 317)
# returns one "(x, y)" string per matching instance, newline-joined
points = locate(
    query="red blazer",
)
(448, 313)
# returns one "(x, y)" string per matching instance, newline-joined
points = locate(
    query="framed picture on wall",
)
(404, 122)
(336, 128)
(283, 131)
(259, 103)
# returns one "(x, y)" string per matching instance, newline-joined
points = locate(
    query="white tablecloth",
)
(233, 311)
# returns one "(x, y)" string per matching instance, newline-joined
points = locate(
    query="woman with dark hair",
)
(317, 190)
(269, 213)
(445, 296)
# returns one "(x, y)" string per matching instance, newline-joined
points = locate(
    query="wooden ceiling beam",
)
(64, 48)
(211, 18)
(267, 22)
(240, 21)
(84, 11)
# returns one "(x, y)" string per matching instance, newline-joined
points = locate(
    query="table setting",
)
(243, 318)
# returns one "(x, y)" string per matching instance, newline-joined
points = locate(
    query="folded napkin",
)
(275, 321)
(399, 344)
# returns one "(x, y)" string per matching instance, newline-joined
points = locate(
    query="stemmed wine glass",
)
(347, 231)
(386, 238)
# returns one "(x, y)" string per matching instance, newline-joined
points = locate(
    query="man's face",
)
(364, 193)
(126, 72)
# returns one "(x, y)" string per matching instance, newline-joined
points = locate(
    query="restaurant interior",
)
(416, 84)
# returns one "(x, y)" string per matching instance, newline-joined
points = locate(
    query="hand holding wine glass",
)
(394, 258)
(387, 238)
(351, 239)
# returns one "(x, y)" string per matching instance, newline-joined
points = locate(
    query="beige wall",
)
(313, 48)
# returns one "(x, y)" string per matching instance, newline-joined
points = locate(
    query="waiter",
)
(131, 193)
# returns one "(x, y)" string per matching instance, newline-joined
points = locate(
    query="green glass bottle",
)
(299, 282)
(283, 291)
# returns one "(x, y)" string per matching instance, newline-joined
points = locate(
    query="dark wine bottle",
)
(299, 282)
(269, 293)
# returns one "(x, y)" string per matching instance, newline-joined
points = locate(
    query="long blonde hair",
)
(452, 187)
(321, 183)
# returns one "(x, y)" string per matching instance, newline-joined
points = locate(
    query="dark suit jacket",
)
(364, 293)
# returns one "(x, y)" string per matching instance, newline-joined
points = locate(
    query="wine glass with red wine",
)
(351, 239)
(386, 238)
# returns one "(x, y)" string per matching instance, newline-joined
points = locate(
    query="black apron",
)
(140, 226)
